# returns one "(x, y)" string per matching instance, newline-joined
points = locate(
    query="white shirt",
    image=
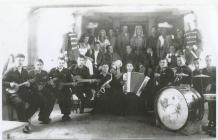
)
(161, 38)
(96, 55)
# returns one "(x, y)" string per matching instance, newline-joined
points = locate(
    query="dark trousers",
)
(19, 105)
(48, 105)
(80, 91)
(212, 112)
(64, 101)
(132, 104)
(25, 112)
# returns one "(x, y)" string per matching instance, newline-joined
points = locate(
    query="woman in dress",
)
(103, 40)
(138, 41)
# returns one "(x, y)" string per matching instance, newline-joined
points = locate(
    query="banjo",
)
(15, 88)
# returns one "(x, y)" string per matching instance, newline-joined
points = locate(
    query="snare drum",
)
(176, 106)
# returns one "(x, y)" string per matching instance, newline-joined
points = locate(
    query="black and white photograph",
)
(108, 70)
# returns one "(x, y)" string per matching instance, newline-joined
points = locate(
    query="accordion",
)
(135, 82)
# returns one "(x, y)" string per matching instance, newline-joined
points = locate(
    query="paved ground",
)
(88, 126)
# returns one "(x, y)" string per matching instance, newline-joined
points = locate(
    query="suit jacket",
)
(14, 76)
(147, 60)
(122, 41)
(63, 76)
(166, 76)
(110, 57)
(41, 79)
(212, 79)
(162, 50)
(132, 57)
(100, 56)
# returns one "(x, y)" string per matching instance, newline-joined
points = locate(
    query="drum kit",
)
(175, 106)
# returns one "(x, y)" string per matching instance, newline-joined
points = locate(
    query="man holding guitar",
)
(16, 83)
(44, 98)
(63, 94)
(78, 73)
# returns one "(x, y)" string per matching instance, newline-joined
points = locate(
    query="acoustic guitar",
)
(76, 80)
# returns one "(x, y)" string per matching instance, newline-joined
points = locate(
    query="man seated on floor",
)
(16, 83)
(63, 93)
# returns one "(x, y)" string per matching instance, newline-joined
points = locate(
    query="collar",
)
(105, 74)
(57, 68)
(37, 71)
(17, 69)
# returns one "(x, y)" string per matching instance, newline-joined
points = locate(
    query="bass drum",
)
(176, 106)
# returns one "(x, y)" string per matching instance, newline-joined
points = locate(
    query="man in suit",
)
(97, 57)
(130, 56)
(44, 98)
(81, 71)
(147, 62)
(162, 44)
(152, 40)
(163, 74)
(63, 93)
(110, 56)
(210, 86)
(20, 100)
(171, 57)
(123, 40)
(197, 82)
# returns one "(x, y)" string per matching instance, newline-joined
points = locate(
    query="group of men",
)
(28, 91)
(202, 80)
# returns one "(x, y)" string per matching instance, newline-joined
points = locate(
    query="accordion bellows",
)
(136, 81)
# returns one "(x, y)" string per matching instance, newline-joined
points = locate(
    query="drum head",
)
(172, 108)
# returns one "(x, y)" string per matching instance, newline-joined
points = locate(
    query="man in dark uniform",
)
(147, 62)
(128, 56)
(152, 40)
(197, 81)
(101, 101)
(163, 76)
(123, 40)
(182, 68)
(81, 71)
(44, 98)
(210, 87)
(63, 93)
(20, 100)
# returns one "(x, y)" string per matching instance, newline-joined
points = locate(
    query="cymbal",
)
(201, 76)
(181, 74)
